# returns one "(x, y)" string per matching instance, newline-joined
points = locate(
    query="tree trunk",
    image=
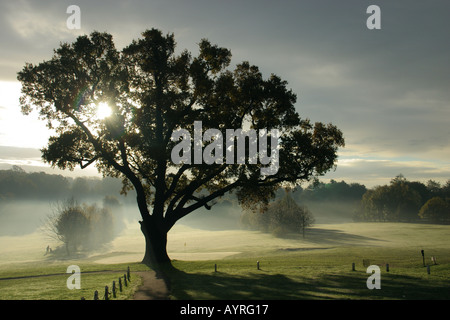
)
(155, 242)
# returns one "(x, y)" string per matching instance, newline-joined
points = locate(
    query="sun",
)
(103, 110)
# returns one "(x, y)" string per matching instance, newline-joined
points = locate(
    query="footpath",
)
(153, 287)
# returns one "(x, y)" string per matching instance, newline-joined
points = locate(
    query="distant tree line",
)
(318, 191)
(408, 201)
(400, 200)
(17, 184)
(333, 201)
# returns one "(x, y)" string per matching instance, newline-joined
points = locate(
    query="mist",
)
(28, 199)
(24, 216)
(332, 212)
(18, 218)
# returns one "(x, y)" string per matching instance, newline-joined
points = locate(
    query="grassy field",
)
(320, 266)
(316, 267)
(48, 281)
(320, 274)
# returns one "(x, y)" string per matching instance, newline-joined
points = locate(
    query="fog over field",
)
(190, 241)
(22, 237)
(21, 226)
(27, 199)
(23, 217)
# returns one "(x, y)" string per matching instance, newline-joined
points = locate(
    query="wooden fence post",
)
(387, 267)
(120, 284)
(423, 257)
(433, 258)
(128, 273)
(96, 295)
(125, 280)
(106, 293)
(114, 289)
(353, 266)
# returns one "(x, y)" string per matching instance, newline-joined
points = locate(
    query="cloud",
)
(28, 20)
(31, 30)
(9, 153)
(30, 160)
(372, 172)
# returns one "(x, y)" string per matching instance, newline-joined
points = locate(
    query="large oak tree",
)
(154, 91)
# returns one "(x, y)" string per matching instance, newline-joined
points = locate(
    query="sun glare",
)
(103, 110)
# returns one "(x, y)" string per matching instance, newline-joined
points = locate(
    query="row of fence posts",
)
(126, 278)
(366, 263)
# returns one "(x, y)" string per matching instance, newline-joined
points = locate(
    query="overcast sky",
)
(387, 89)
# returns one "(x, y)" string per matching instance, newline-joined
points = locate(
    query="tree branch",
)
(181, 212)
(175, 180)
(83, 166)
(125, 170)
(186, 194)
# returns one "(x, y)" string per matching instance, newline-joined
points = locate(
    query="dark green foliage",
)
(403, 200)
(436, 210)
(396, 202)
(332, 191)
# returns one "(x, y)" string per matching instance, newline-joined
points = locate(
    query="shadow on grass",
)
(262, 286)
(334, 237)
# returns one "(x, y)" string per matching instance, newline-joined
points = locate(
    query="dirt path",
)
(153, 287)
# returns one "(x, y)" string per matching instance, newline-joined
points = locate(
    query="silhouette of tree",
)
(153, 92)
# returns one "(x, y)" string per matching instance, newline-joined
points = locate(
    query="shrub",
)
(79, 226)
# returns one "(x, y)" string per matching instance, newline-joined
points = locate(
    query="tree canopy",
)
(404, 200)
(153, 91)
(436, 210)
